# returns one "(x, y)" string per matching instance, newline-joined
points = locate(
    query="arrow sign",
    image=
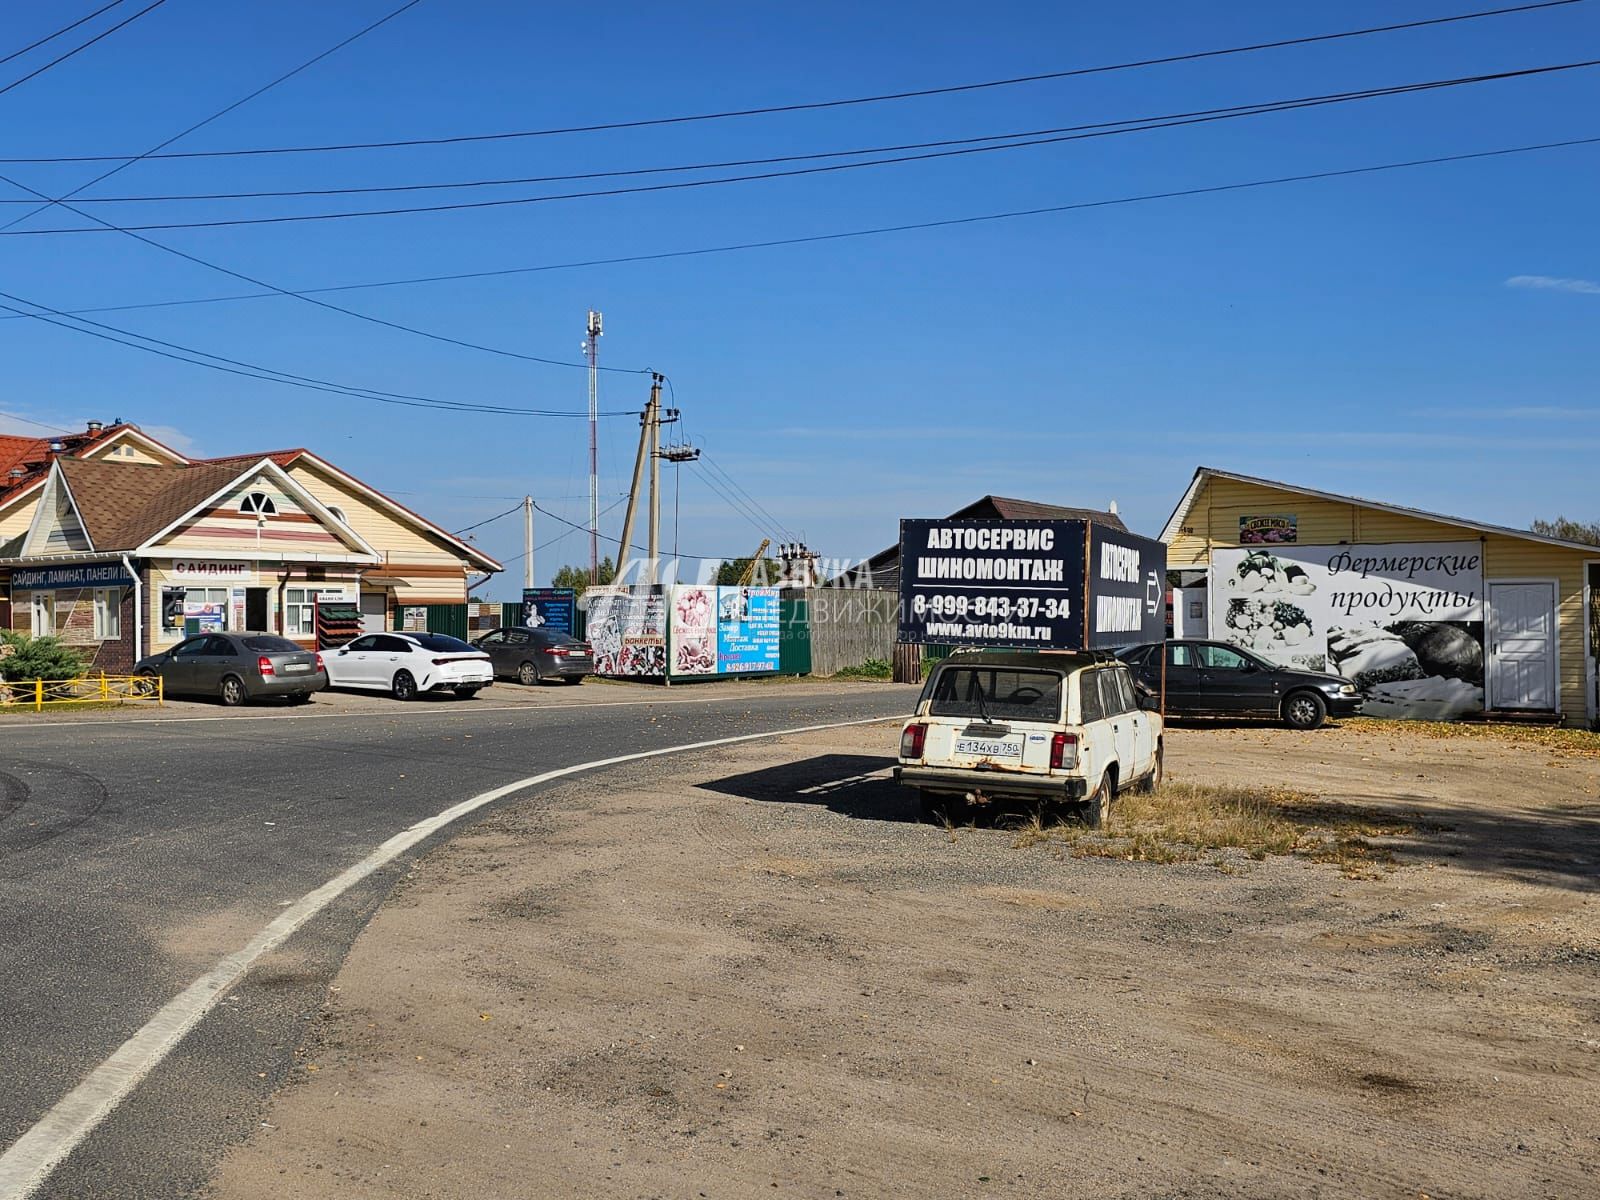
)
(1152, 594)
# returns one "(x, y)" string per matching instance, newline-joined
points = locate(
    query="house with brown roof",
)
(123, 555)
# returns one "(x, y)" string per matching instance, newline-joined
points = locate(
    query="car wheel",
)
(1097, 808)
(233, 693)
(1304, 710)
(144, 683)
(404, 686)
(467, 693)
(1152, 781)
(527, 674)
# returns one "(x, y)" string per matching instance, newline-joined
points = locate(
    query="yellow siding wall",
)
(1213, 522)
(399, 542)
(14, 521)
(125, 451)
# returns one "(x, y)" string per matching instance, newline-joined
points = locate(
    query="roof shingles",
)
(124, 505)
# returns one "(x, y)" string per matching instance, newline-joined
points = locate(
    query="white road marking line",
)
(28, 1161)
(834, 785)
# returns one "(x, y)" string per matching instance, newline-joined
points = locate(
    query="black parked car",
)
(533, 654)
(1214, 679)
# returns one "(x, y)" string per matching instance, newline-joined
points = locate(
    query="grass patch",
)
(1578, 743)
(1191, 823)
(873, 668)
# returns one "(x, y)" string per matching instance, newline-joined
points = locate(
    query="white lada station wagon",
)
(1060, 726)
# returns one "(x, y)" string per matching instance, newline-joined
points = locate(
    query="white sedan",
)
(406, 664)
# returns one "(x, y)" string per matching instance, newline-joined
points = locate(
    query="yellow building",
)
(123, 553)
(1433, 616)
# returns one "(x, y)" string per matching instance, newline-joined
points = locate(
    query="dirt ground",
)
(751, 973)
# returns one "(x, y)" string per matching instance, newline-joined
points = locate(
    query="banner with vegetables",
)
(1403, 622)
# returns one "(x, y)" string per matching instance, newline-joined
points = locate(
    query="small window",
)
(495, 638)
(394, 645)
(1220, 658)
(518, 637)
(1182, 656)
(44, 614)
(270, 645)
(108, 614)
(441, 643)
(338, 514)
(997, 693)
(1092, 709)
(259, 503)
(370, 642)
(193, 648)
(1130, 700)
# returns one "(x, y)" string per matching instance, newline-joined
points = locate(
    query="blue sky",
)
(1423, 337)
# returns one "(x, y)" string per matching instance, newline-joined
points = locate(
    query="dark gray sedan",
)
(531, 655)
(237, 668)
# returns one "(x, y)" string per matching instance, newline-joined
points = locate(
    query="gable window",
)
(108, 614)
(338, 514)
(259, 503)
(44, 614)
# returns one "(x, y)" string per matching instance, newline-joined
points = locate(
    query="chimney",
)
(96, 426)
(1112, 508)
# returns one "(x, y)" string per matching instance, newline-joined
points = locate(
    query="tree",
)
(1569, 531)
(732, 571)
(23, 657)
(577, 578)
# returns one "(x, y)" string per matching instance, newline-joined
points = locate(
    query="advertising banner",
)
(1403, 622)
(1268, 529)
(550, 608)
(992, 583)
(748, 629)
(694, 630)
(1127, 589)
(210, 570)
(203, 616)
(88, 575)
(628, 630)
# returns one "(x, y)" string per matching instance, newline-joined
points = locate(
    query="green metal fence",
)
(449, 619)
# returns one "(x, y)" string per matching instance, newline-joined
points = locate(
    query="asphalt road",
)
(134, 856)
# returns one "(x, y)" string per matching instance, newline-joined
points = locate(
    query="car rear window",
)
(996, 691)
(443, 642)
(270, 645)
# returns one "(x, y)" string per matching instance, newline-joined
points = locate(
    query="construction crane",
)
(750, 567)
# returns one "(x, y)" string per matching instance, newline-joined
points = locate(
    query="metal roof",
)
(1203, 474)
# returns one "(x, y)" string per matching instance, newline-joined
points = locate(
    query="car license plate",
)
(990, 747)
(292, 667)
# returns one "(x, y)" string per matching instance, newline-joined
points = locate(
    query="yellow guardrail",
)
(40, 694)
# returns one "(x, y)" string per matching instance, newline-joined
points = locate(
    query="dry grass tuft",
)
(1572, 743)
(1190, 823)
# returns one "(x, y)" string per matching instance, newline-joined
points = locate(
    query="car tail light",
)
(264, 665)
(439, 662)
(558, 651)
(912, 739)
(320, 665)
(1063, 751)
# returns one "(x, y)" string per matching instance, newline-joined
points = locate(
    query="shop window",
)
(44, 614)
(259, 503)
(108, 614)
(300, 608)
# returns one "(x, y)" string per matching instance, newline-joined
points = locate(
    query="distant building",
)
(122, 546)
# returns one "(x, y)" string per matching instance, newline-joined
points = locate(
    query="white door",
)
(374, 611)
(1522, 645)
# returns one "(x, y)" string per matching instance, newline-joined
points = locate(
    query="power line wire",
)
(79, 49)
(808, 106)
(459, 206)
(489, 520)
(1137, 124)
(870, 231)
(778, 526)
(174, 350)
(616, 541)
(50, 37)
(197, 260)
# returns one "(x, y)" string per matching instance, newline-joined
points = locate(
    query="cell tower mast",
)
(591, 349)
